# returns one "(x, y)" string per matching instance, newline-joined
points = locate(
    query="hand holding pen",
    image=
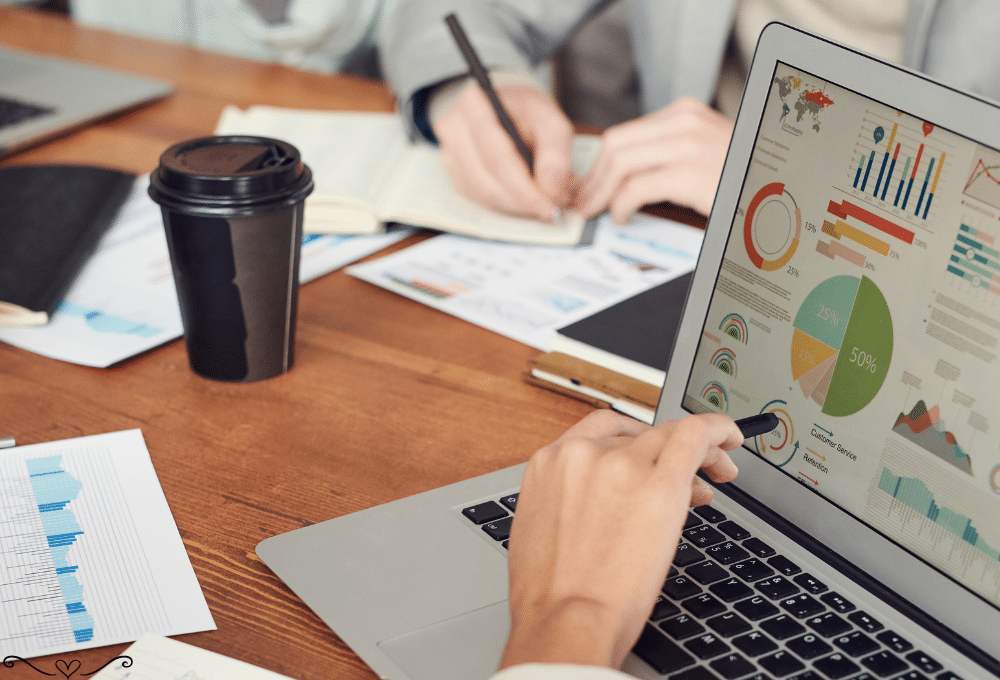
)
(512, 155)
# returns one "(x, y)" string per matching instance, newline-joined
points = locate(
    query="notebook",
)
(845, 284)
(42, 96)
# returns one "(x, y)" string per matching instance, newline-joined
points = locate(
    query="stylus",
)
(759, 424)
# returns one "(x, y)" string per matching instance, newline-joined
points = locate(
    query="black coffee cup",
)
(232, 210)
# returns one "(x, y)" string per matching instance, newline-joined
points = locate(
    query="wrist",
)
(578, 631)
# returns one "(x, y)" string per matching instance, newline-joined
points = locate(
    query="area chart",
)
(842, 344)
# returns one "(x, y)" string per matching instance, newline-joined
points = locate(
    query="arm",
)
(598, 520)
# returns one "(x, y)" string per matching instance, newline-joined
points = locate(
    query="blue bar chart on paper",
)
(80, 553)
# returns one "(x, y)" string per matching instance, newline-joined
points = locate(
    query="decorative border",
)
(64, 668)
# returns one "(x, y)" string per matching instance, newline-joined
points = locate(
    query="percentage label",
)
(811, 227)
(893, 255)
(920, 244)
(863, 359)
(793, 271)
(869, 265)
(828, 314)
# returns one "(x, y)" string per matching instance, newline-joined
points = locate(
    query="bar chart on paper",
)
(75, 570)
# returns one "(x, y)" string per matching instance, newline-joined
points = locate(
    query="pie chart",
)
(842, 344)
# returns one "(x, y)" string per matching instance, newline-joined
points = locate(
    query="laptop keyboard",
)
(747, 612)
(13, 111)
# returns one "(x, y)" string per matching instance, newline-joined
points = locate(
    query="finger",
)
(606, 423)
(600, 187)
(508, 173)
(695, 441)
(701, 493)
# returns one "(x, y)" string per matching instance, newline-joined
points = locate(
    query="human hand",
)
(675, 154)
(599, 516)
(483, 162)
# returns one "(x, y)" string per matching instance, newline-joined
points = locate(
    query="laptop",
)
(847, 284)
(42, 96)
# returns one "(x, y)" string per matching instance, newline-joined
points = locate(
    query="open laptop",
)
(847, 284)
(42, 96)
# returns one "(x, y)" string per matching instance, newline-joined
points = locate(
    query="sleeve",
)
(417, 50)
(559, 671)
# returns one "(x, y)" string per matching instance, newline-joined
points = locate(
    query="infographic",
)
(859, 301)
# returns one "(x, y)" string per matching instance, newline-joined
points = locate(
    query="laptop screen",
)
(858, 299)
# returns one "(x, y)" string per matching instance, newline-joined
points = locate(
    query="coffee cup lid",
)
(230, 174)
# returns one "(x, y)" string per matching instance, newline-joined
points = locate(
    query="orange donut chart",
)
(775, 189)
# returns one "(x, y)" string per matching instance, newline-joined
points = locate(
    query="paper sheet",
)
(528, 292)
(89, 550)
(124, 301)
(154, 657)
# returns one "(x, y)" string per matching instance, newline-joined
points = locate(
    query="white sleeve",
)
(559, 671)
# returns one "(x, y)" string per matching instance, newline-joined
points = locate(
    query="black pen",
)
(483, 78)
(756, 425)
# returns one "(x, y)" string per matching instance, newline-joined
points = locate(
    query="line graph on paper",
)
(72, 572)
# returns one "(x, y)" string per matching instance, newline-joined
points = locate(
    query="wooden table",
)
(387, 397)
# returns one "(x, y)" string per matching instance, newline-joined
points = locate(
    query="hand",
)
(675, 154)
(598, 520)
(483, 162)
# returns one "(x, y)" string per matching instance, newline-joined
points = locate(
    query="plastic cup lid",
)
(230, 174)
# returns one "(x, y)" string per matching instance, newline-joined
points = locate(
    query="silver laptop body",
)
(819, 296)
(61, 95)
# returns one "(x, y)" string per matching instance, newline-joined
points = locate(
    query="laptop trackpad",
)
(466, 647)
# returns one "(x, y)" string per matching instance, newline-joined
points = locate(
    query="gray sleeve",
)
(417, 50)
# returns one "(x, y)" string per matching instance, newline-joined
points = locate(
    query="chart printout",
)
(89, 552)
(859, 301)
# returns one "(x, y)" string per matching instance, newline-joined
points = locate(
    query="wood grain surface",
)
(387, 397)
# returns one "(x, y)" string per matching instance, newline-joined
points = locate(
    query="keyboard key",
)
(489, 511)
(728, 624)
(754, 644)
(837, 603)
(687, 554)
(783, 565)
(756, 608)
(913, 675)
(865, 622)
(732, 666)
(680, 587)
(828, 624)
(809, 646)
(664, 655)
(704, 536)
(731, 590)
(710, 514)
(777, 587)
(782, 627)
(781, 663)
(510, 502)
(751, 570)
(856, 643)
(727, 553)
(707, 646)
(707, 572)
(836, 666)
(924, 662)
(810, 584)
(505, 545)
(703, 606)
(499, 530)
(894, 642)
(696, 673)
(884, 663)
(663, 608)
(801, 606)
(681, 627)
(758, 547)
(807, 675)
(947, 675)
(734, 530)
(692, 521)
